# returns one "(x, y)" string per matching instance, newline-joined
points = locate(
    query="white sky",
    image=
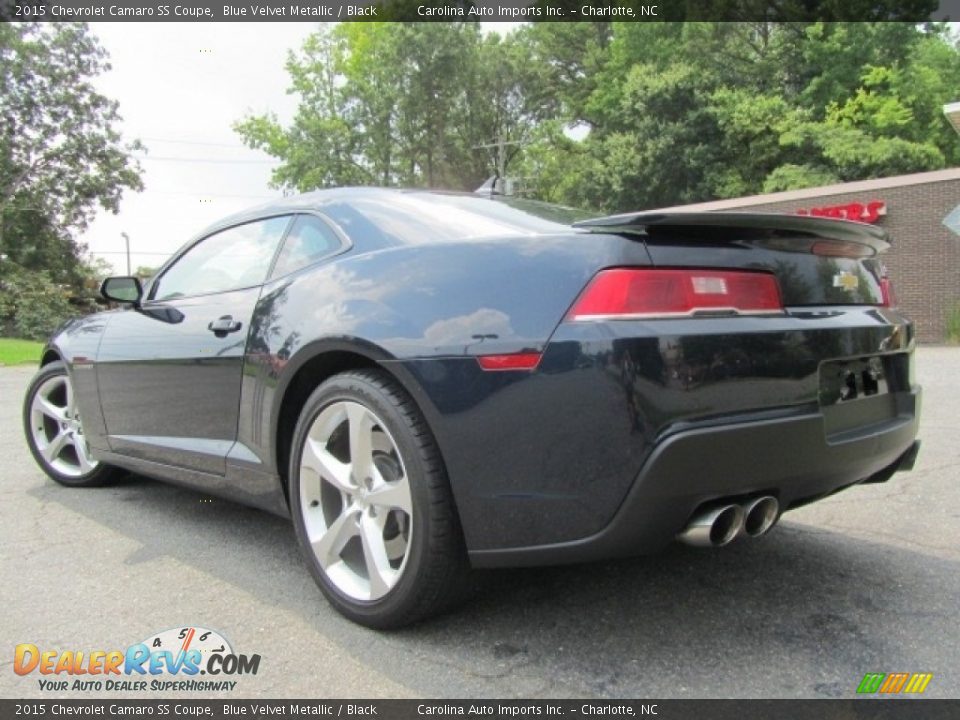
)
(180, 87)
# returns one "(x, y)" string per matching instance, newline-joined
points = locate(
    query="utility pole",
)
(126, 239)
(501, 159)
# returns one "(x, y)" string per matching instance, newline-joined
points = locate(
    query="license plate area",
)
(843, 381)
(860, 392)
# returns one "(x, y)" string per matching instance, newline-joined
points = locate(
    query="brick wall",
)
(924, 260)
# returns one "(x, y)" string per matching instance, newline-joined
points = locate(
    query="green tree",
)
(620, 116)
(61, 156)
(145, 272)
(60, 159)
(683, 112)
(399, 104)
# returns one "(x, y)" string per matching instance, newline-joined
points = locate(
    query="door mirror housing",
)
(122, 289)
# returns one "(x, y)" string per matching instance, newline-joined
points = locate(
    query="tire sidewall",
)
(399, 599)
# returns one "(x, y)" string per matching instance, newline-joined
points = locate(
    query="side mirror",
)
(122, 289)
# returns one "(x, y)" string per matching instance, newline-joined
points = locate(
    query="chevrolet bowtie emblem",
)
(847, 281)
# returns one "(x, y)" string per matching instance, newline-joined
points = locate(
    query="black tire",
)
(435, 572)
(98, 475)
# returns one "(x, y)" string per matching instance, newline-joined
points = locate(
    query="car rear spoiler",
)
(777, 223)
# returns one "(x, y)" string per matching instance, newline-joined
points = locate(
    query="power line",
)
(215, 195)
(193, 142)
(169, 158)
(124, 252)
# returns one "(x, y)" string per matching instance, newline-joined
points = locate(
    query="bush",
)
(953, 324)
(31, 305)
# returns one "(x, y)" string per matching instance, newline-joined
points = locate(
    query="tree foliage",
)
(620, 116)
(696, 111)
(400, 104)
(61, 158)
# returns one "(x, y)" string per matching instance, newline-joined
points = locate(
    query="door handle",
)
(224, 325)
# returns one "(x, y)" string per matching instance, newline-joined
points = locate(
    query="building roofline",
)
(860, 186)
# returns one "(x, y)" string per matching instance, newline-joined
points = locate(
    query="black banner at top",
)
(478, 10)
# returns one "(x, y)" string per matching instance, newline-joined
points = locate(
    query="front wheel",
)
(371, 503)
(54, 431)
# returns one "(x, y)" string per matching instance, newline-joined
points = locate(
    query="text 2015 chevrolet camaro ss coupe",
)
(429, 381)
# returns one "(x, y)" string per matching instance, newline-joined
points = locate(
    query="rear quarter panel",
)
(424, 312)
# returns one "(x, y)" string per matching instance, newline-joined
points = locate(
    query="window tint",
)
(310, 239)
(234, 258)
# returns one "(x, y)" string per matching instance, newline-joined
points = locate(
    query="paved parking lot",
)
(866, 581)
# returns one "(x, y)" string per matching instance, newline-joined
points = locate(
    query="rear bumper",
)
(793, 458)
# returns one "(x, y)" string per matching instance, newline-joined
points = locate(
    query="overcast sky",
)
(180, 87)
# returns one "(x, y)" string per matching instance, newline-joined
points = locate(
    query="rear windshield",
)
(422, 217)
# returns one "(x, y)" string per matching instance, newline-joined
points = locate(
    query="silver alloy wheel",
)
(355, 500)
(57, 430)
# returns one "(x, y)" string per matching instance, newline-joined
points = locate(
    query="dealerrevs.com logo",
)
(172, 660)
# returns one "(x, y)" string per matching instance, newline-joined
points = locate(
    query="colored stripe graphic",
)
(893, 683)
(871, 682)
(918, 683)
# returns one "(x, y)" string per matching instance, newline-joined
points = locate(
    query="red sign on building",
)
(861, 212)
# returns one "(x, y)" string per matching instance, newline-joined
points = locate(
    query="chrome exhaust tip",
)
(759, 515)
(714, 527)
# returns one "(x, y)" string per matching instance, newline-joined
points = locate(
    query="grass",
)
(19, 352)
(953, 324)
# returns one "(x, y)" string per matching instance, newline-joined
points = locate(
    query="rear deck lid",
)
(817, 261)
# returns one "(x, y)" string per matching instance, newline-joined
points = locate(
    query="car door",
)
(170, 371)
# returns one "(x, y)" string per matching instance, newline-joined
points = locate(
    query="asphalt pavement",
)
(865, 581)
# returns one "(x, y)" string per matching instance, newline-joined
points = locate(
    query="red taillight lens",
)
(653, 293)
(889, 297)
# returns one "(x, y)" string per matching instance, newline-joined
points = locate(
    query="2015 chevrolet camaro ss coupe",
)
(427, 381)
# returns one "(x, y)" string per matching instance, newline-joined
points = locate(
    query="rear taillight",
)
(624, 293)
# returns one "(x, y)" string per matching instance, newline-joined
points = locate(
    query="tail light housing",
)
(640, 293)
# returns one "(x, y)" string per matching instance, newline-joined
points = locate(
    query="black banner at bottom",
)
(867, 709)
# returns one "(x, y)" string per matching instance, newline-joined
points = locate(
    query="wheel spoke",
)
(361, 440)
(83, 455)
(70, 408)
(392, 495)
(329, 546)
(381, 575)
(46, 407)
(319, 459)
(52, 450)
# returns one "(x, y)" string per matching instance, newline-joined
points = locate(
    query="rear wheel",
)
(54, 431)
(371, 503)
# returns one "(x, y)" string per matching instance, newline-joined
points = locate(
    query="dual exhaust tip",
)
(719, 525)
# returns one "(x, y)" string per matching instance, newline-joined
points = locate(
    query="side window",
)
(237, 257)
(310, 239)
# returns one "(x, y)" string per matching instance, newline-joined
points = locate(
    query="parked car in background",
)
(426, 381)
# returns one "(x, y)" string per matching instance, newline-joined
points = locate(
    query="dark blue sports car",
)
(429, 381)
